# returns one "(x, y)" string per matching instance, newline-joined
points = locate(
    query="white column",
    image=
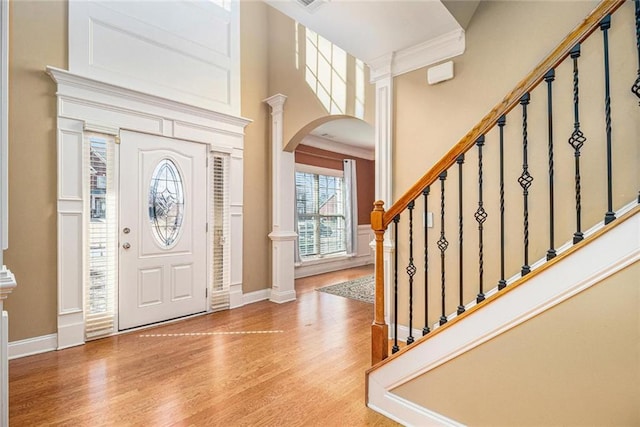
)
(282, 195)
(382, 77)
(7, 284)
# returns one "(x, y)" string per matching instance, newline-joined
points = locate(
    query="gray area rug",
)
(361, 289)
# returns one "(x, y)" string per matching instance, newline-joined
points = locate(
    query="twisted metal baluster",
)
(426, 329)
(549, 78)
(525, 181)
(481, 217)
(460, 161)
(411, 271)
(577, 140)
(636, 86)
(605, 24)
(395, 347)
(502, 121)
(442, 245)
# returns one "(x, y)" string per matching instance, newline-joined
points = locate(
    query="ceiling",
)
(372, 30)
(352, 132)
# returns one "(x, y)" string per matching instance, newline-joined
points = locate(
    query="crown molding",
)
(69, 82)
(430, 52)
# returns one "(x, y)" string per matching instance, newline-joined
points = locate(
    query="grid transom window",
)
(321, 214)
(326, 72)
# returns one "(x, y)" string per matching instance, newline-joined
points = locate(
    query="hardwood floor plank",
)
(308, 371)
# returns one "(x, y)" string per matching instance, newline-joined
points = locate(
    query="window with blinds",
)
(219, 230)
(321, 214)
(101, 232)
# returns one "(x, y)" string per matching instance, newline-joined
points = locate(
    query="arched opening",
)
(334, 177)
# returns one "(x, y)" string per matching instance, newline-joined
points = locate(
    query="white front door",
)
(163, 215)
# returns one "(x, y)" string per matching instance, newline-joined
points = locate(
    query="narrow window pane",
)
(324, 47)
(324, 73)
(339, 62)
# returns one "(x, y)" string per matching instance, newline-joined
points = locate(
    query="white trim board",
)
(31, 346)
(578, 272)
(85, 103)
(430, 52)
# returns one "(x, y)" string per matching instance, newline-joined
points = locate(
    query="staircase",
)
(523, 294)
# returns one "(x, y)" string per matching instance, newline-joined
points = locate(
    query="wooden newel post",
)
(379, 329)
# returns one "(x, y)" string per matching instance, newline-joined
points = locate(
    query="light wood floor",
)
(311, 373)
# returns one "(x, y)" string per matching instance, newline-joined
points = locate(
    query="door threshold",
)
(160, 323)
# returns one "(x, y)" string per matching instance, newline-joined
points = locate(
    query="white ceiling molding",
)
(432, 51)
(338, 147)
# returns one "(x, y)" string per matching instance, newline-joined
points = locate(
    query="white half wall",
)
(325, 265)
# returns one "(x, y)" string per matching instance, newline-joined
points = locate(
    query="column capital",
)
(276, 102)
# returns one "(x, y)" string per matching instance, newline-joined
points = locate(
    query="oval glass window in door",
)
(166, 203)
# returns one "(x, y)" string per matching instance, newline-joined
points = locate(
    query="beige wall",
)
(576, 364)
(505, 40)
(254, 51)
(38, 37)
(302, 107)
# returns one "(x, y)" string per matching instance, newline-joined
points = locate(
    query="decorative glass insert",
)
(166, 203)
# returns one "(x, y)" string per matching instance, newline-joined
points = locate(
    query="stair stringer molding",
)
(581, 270)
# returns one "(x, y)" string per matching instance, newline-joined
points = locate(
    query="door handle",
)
(126, 245)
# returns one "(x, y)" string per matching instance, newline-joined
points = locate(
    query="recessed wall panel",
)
(149, 286)
(181, 282)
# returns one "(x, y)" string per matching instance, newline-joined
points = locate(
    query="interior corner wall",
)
(254, 59)
(430, 120)
(38, 37)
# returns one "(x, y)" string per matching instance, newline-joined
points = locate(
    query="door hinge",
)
(206, 227)
(206, 292)
(206, 162)
(117, 139)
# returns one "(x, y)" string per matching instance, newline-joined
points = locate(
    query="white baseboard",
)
(282, 297)
(31, 346)
(412, 414)
(256, 296)
(235, 295)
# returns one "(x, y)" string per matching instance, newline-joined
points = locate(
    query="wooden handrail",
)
(578, 35)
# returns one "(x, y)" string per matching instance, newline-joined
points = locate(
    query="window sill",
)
(324, 260)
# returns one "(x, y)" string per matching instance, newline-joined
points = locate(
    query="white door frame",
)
(86, 104)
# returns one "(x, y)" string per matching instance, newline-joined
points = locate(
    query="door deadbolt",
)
(126, 245)
(126, 230)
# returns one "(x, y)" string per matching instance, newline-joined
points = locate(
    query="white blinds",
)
(100, 222)
(219, 231)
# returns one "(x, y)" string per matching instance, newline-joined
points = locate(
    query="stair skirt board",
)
(578, 272)
(411, 414)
